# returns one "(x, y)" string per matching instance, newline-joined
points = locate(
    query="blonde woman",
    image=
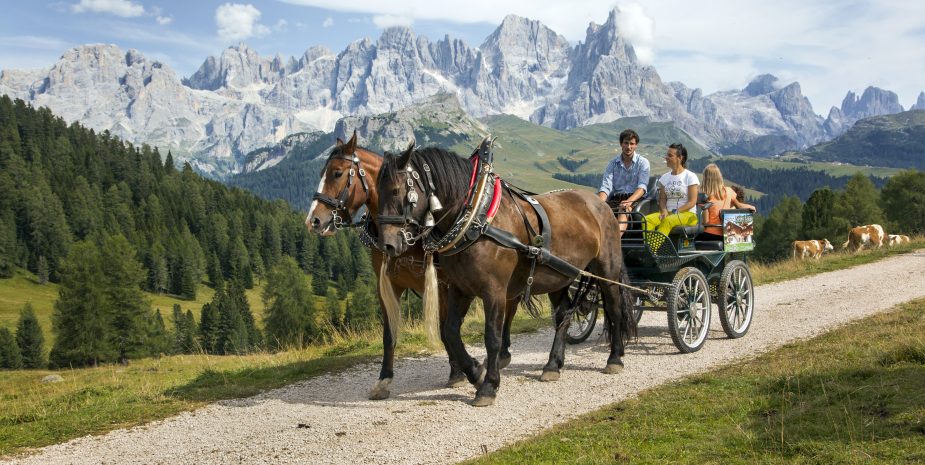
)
(723, 198)
(677, 194)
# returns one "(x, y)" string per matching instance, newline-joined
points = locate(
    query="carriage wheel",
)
(584, 316)
(689, 310)
(736, 299)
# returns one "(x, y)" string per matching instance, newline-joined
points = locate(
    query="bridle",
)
(339, 204)
(406, 219)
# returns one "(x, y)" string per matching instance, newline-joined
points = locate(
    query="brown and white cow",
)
(813, 248)
(897, 239)
(871, 235)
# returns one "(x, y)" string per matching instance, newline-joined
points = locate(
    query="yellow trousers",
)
(664, 226)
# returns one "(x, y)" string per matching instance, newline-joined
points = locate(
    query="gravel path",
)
(329, 420)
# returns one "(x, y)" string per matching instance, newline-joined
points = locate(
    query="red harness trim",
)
(495, 200)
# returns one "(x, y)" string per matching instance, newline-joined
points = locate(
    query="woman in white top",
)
(677, 194)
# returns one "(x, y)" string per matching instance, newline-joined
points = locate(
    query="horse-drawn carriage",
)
(681, 274)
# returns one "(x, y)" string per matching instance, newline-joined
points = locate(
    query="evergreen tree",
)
(288, 301)
(122, 279)
(10, 358)
(158, 340)
(819, 220)
(860, 203)
(320, 278)
(82, 319)
(7, 243)
(41, 270)
(775, 238)
(237, 333)
(904, 201)
(333, 312)
(362, 312)
(30, 339)
(209, 326)
(184, 337)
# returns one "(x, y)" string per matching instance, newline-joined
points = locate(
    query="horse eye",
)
(338, 174)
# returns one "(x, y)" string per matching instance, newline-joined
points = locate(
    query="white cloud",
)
(164, 20)
(238, 22)
(384, 21)
(639, 29)
(123, 8)
(281, 26)
(328, 22)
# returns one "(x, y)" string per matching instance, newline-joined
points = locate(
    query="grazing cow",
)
(861, 236)
(897, 239)
(813, 248)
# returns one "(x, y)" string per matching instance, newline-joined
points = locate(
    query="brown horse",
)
(585, 234)
(348, 181)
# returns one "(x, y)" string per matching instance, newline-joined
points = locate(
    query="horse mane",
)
(449, 171)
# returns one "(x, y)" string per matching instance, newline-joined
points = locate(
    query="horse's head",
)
(343, 189)
(403, 202)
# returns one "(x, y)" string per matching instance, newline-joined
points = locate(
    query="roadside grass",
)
(97, 400)
(766, 273)
(850, 396)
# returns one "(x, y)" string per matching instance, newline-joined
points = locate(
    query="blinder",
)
(406, 219)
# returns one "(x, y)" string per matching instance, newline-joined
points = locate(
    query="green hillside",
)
(895, 141)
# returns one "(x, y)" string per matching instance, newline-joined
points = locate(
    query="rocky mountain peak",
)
(761, 85)
(920, 103)
(873, 102)
(238, 67)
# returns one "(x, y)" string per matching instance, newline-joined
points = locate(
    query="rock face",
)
(239, 102)
(873, 102)
(920, 103)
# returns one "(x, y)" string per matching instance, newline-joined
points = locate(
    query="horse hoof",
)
(483, 401)
(549, 376)
(457, 381)
(503, 362)
(613, 368)
(380, 390)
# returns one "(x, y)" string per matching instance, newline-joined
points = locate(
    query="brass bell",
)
(435, 204)
(429, 220)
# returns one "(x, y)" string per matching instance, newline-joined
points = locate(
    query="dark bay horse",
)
(348, 181)
(585, 234)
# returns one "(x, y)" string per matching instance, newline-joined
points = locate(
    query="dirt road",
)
(329, 420)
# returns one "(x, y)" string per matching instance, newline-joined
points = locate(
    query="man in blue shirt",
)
(626, 176)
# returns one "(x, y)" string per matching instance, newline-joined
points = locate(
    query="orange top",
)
(713, 213)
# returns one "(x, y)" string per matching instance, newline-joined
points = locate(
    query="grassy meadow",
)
(792, 405)
(97, 400)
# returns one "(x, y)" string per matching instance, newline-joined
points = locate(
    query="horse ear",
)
(405, 157)
(352, 143)
(339, 142)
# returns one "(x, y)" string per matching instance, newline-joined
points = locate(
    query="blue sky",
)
(829, 46)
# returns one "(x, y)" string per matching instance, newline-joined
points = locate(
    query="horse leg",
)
(457, 307)
(562, 319)
(494, 322)
(612, 300)
(510, 308)
(380, 389)
(457, 377)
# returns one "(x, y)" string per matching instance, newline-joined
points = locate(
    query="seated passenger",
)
(677, 194)
(723, 198)
(625, 178)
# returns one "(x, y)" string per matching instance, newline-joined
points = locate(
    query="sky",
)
(830, 47)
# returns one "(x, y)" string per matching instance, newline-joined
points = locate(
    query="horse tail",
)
(627, 329)
(431, 303)
(533, 305)
(389, 301)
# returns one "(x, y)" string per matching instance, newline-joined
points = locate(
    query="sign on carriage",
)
(738, 228)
